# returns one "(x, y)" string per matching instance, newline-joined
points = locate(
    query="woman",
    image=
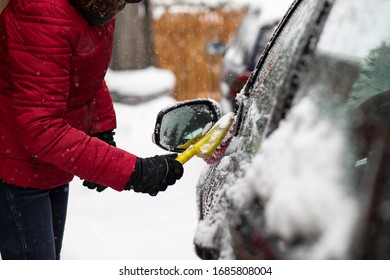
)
(57, 121)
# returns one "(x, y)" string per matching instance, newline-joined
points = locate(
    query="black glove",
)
(107, 137)
(155, 174)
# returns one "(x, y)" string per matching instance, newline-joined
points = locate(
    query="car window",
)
(261, 42)
(351, 68)
(352, 56)
(275, 69)
(348, 80)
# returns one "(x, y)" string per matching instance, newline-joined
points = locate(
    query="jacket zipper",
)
(35, 164)
(89, 117)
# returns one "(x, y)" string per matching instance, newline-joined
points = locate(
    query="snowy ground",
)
(127, 225)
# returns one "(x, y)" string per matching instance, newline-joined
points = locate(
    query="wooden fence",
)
(180, 40)
(3, 3)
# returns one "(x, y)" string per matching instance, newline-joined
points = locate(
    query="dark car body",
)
(307, 171)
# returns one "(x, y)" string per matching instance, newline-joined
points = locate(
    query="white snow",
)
(271, 10)
(132, 82)
(300, 175)
(217, 134)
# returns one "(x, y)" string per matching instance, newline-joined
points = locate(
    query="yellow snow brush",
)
(205, 146)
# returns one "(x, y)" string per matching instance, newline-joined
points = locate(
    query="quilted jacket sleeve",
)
(40, 47)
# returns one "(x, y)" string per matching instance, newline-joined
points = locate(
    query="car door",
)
(307, 175)
(347, 84)
(222, 231)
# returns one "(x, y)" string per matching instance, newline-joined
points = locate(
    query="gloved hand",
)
(154, 174)
(108, 137)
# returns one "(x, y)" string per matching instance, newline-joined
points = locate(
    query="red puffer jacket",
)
(53, 95)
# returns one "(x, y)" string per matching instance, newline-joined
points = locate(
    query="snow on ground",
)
(132, 83)
(128, 225)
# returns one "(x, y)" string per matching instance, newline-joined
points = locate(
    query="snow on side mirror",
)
(181, 125)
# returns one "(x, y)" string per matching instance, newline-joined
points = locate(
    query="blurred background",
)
(173, 34)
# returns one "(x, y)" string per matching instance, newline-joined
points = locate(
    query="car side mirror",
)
(216, 48)
(182, 124)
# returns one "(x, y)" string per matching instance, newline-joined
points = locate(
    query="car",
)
(304, 172)
(242, 53)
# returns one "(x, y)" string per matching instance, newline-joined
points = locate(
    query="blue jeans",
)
(32, 222)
